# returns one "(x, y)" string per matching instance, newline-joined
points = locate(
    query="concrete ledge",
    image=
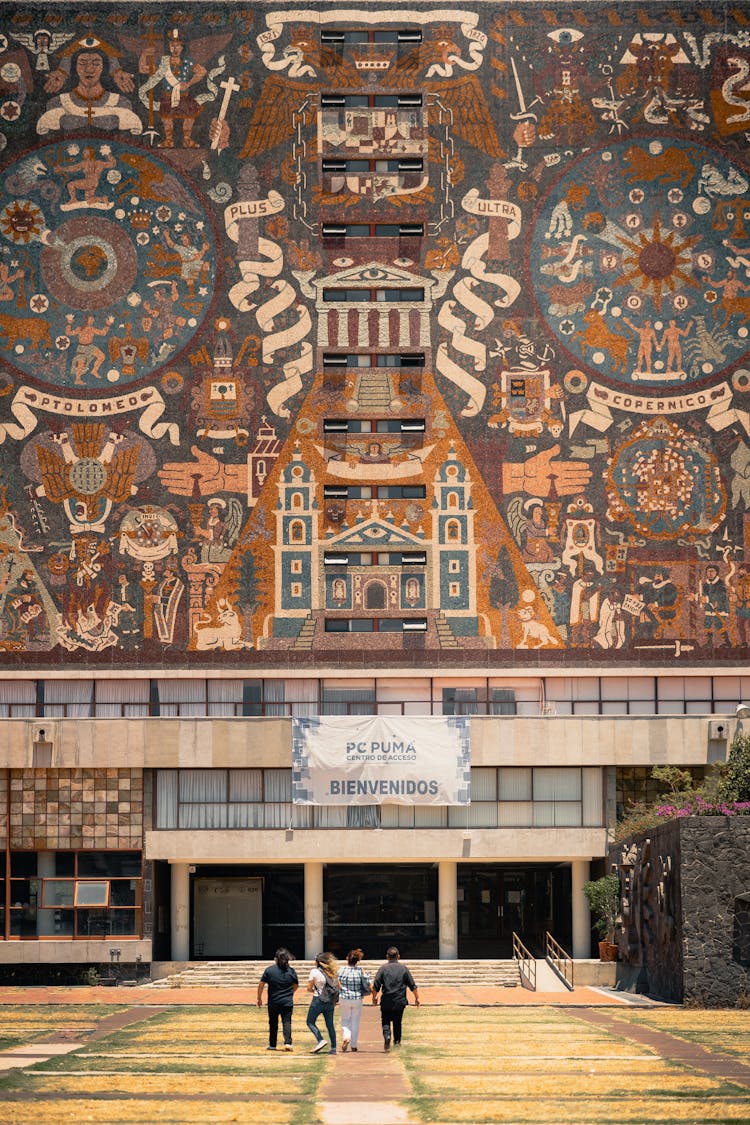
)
(72, 952)
(594, 974)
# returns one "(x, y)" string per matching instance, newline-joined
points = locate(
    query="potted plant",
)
(603, 897)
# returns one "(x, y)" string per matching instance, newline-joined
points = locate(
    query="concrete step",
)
(427, 973)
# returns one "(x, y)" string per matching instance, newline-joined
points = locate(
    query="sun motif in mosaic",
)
(625, 266)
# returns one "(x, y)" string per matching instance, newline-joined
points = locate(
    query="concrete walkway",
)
(368, 1086)
(681, 1051)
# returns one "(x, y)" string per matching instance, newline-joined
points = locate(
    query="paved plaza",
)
(507, 1055)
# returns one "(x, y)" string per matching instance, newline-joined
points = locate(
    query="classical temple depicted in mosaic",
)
(340, 333)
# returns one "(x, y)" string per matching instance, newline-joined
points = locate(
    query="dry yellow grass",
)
(534, 1110)
(195, 1082)
(604, 1082)
(135, 1112)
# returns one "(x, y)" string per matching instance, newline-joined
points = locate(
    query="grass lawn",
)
(516, 1066)
(179, 1066)
(526, 1066)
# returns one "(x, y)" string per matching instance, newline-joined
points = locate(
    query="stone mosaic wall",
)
(685, 918)
(210, 246)
(72, 809)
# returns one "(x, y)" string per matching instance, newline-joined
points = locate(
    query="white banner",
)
(371, 760)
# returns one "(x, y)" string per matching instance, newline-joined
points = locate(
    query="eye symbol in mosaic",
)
(637, 258)
(108, 264)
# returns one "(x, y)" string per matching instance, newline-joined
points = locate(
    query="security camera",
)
(720, 729)
(743, 710)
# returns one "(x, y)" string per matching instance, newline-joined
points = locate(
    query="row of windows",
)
(67, 894)
(336, 37)
(352, 359)
(379, 558)
(404, 164)
(371, 101)
(196, 696)
(376, 625)
(374, 491)
(373, 425)
(374, 295)
(262, 798)
(372, 230)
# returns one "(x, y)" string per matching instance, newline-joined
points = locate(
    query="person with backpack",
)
(393, 979)
(282, 983)
(324, 985)
(355, 985)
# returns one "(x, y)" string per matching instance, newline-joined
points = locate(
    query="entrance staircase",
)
(427, 974)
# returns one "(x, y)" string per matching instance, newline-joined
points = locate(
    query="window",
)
(80, 895)
(372, 230)
(297, 531)
(295, 566)
(375, 492)
(373, 426)
(374, 296)
(402, 166)
(372, 101)
(401, 359)
(376, 625)
(295, 589)
(375, 558)
(339, 39)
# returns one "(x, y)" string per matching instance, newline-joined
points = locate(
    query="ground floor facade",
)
(175, 839)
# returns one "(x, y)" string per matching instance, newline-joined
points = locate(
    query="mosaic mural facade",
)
(407, 329)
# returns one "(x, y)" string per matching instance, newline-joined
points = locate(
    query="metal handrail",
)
(526, 963)
(560, 960)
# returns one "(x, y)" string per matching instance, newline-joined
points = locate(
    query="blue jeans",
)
(316, 1007)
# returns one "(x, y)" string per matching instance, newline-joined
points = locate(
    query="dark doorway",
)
(495, 900)
(374, 907)
(283, 911)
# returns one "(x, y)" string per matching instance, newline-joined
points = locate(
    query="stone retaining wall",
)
(686, 910)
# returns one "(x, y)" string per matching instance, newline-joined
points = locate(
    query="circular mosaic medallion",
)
(640, 265)
(115, 256)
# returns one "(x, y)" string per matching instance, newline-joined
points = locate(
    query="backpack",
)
(330, 991)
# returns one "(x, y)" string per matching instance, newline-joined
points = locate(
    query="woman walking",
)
(324, 986)
(355, 984)
(282, 983)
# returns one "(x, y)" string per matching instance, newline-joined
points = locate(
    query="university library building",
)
(375, 471)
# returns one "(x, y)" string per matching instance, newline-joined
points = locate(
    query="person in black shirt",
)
(392, 979)
(282, 983)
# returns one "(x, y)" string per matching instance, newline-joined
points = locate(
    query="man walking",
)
(392, 979)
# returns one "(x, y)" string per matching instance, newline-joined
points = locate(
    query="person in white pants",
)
(355, 985)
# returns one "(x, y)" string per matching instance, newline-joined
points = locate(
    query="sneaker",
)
(396, 1042)
(288, 1047)
(318, 1046)
(333, 1052)
(387, 1045)
(270, 1048)
(345, 1045)
(354, 1049)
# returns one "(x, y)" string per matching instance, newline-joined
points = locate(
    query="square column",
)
(313, 910)
(180, 911)
(447, 910)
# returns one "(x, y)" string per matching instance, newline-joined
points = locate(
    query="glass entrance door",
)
(495, 900)
(374, 907)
